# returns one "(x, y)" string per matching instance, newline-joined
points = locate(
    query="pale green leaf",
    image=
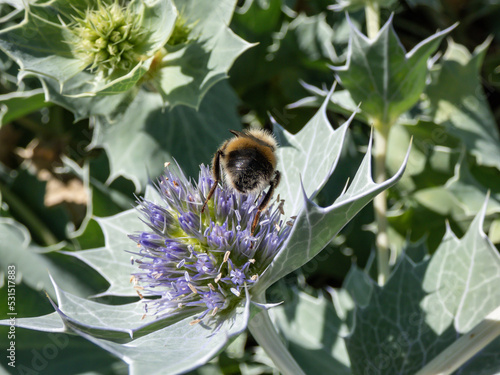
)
(433, 156)
(114, 322)
(158, 21)
(311, 327)
(113, 261)
(39, 45)
(439, 200)
(188, 71)
(390, 335)
(425, 306)
(460, 197)
(46, 323)
(177, 348)
(359, 285)
(148, 135)
(469, 193)
(310, 156)
(315, 226)
(460, 104)
(70, 98)
(356, 292)
(17, 104)
(32, 266)
(462, 276)
(340, 101)
(311, 34)
(494, 232)
(116, 83)
(381, 76)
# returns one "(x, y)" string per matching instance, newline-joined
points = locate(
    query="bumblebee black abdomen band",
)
(248, 168)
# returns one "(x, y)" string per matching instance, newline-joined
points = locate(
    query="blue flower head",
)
(205, 261)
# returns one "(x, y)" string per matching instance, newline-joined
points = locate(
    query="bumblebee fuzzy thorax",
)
(248, 160)
(248, 163)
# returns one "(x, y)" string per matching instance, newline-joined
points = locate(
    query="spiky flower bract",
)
(107, 37)
(181, 32)
(203, 260)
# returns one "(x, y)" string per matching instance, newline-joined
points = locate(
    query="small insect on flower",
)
(248, 163)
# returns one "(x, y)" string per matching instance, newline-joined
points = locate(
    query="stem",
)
(380, 204)
(264, 332)
(372, 14)
(465, 347)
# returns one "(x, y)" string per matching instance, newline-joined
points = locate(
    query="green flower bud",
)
(124, 30)
(113, 50)
(104, 34)
(101, 43)
(181, 32)
(115, 37)
(87, 45)
(116, 13)
(125, 46)
(88, 34)
(125, 64)
(100, 57)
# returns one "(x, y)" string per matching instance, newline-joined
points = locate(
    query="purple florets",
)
(204, 261)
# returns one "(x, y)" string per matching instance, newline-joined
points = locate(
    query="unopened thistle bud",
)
(104, 34)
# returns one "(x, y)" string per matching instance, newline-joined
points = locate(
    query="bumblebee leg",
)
(266, 199)
(216, 175)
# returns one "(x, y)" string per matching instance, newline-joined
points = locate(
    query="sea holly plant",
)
(116, 44)
(388, 82)
(402, 327)
(99, 49)
(442, 114)
(201, 276)
(451, 293)
(450, 101)
(382, 76)
(146, 135)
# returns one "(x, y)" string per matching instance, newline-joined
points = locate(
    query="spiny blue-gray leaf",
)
(177, 348)
(461, 105)
(381, 76)
(315, 226)
(148, 135)
(310, 156)
(113, 261)
(463, 277)
(189, 72)
(46, 323)
(425, 306)
(311, 326)
(32, 267)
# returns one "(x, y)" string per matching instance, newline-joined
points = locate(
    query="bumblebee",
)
(248, 163)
